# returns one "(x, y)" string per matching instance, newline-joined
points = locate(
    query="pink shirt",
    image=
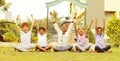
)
(81, 40)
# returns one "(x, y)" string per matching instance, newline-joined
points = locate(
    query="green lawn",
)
(8, 54)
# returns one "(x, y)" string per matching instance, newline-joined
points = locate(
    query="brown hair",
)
(41, 28)
(25, 24)
(99, 28)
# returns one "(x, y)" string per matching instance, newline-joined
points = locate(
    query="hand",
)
(52, 17)
(75, 14)
(18, 17)
(92, 21)
(32, 16)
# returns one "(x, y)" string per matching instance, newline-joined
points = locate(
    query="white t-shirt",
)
(25, 37)
(42, 40)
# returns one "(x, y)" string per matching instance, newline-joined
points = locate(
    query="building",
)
(102, 9)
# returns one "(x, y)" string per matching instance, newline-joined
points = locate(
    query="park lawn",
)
(8, 54)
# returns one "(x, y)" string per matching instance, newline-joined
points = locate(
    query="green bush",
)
(10, 37)
(91, 37)
(113, 31)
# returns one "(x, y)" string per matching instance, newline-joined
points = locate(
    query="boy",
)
(63, 35)
(42, 39)
(99, 37)
(25, 36)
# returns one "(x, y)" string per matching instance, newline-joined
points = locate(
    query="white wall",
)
(112, 5)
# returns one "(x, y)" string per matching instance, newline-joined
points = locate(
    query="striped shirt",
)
(100, 40)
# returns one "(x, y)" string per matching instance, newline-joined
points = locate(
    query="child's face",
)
(99, 31)
(25, 29)
(80, 30)
(64, 27)
(41, 32)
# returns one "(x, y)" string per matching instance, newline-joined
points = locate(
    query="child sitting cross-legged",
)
(42, 39)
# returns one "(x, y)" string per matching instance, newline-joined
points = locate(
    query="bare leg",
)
(47, 47)
(40, 48)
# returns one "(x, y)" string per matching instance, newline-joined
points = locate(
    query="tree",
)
(113, 31)
(2, 2)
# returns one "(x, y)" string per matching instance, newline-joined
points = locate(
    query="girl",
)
(99, 37)
(25, 36)
(81, 38)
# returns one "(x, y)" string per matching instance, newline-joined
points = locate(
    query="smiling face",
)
(80, 30)
(41, 31)
(99, 30)
(64, 27)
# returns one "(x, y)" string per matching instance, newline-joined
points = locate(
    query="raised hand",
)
(103, 25)
(32, 22)
(75, 18)
(18, 17)
(52, 17)
(75, 15)
(32, 16)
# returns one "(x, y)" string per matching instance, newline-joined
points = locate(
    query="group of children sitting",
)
(63, 37)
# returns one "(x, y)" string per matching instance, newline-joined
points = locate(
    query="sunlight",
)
(25, 8)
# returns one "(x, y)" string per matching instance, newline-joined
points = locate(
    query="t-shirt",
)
(42, 40)
(25, 37)
(81, 40)
(100, 40)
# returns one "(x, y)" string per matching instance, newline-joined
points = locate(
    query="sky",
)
(25, 8)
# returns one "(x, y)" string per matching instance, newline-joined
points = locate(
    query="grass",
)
(8, 54)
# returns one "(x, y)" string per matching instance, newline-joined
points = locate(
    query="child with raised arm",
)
(63, 35)
(99, 37)
(42, 39)
(25, 36)
(82, 44)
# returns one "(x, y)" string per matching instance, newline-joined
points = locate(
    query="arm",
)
(89, 27)
(75, 14)
(45, 22)
(17, 22)
(32, 23)
(103, 25)
(54, 23)
(96, 25)
(37, 26)
(69, 29)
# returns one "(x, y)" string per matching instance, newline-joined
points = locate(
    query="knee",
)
(109, 46)
(96, 47)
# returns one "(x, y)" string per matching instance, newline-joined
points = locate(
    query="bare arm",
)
(96, 23)
(45, 22)
(32, 23)
(103, 25)
(37, 26)
(75, 14)
(18, 16)
(89, 26)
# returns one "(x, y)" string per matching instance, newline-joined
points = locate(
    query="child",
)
(42, 39)
(25, 36)
(82, 44)
(99, 37)
(63, 36)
